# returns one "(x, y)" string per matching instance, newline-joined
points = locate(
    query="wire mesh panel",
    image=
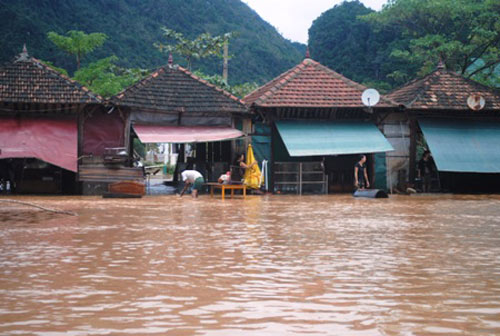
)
(299, 178)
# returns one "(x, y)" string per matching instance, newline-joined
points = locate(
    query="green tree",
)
(240, 90)
(464, 34)
(204, 45)
(105, 78)
(77, 43)
(53, 67)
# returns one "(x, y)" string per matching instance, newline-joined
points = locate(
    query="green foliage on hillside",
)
(407, 38)
(259, 51)
(343, 43)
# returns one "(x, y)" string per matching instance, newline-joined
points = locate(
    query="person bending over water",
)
(192, 177)
(360, 174)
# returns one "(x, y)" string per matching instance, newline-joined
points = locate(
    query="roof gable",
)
(28, 80)
(309, 85)
(174, 89)
(443, 89)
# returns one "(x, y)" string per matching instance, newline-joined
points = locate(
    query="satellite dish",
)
(370, 97)
(476, 102)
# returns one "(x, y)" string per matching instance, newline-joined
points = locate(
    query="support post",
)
(413, 149)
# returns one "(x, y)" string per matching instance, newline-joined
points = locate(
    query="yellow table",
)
(224, 187)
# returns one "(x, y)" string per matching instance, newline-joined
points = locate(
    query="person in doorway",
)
(361, 174)
(194, 178)
(425, 171)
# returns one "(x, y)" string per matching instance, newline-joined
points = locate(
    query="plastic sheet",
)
(51, 140)
(102, 130)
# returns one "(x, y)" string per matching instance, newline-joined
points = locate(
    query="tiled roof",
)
(174, 89)
(443, 89)
(28, 80)
(310, 85)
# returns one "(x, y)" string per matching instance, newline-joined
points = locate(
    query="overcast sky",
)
(293, 18)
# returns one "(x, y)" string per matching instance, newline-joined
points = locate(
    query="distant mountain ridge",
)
(259, 52)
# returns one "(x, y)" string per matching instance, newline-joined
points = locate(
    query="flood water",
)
(267, 265)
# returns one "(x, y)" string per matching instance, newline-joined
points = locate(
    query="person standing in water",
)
(426, 170)
(360, 174)
(194, 178)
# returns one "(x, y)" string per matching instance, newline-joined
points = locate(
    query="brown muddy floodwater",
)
(272, 265)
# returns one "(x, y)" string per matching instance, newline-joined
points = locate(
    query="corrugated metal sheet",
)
(319, 138)
(463, 146)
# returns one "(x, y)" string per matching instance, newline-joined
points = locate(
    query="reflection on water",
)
(274, 265)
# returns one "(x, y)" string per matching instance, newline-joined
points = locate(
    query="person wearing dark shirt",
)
(239, 168)
(425, 171)
(361, 174)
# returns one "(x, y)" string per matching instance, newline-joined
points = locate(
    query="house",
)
(458, 120)
(41, 117)
(311, 125)
(172, 105)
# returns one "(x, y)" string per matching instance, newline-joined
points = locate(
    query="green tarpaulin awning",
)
(463, 146)
(320, 138)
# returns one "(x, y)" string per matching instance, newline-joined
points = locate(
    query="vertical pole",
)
(226, 58)
(413, 149)
(372, 169)
(182, 153)
(300, 178)
(81, 111)
(271, 164)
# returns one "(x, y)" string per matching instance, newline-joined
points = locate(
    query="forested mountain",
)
(344, 42)
(258, 51)
(408, 38)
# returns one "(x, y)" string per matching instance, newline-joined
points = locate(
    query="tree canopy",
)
(106, 78)
(407, 38)
(103, 76)
(464, 34)
(77, 43)
(240, 90)
(204, 45)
